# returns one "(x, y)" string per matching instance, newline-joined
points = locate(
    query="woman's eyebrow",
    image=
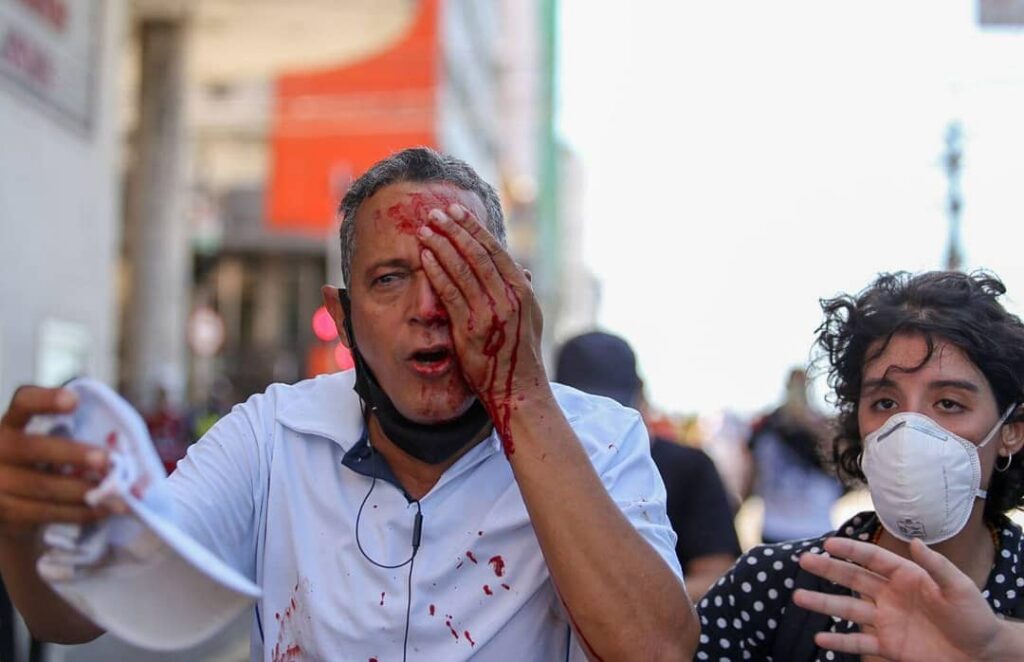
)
(876, 384)
(962, 384)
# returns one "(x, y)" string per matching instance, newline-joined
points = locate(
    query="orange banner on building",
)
(329, 126)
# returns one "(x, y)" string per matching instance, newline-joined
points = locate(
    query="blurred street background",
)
(691, 176)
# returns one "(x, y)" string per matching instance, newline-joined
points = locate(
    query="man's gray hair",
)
(416, 164)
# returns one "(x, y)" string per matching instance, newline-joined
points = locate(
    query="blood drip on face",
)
(498, 564)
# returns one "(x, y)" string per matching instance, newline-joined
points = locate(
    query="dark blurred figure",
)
(36, 648)
(206, 415)
(698, 507)
(787, 468)
(167, 428)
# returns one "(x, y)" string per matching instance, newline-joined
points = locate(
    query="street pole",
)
(954, 202)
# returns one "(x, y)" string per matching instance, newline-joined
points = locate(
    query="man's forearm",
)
(47, 615)
(624, 600)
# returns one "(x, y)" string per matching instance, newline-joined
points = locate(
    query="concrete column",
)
(158, 248)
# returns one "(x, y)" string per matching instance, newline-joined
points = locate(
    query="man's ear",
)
(332, 302)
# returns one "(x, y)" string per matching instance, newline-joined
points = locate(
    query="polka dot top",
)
(741, 615)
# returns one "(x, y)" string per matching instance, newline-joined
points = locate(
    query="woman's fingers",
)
(942, 571)
(874, 558)
(855, 643)
(858, 610)
(842, 572)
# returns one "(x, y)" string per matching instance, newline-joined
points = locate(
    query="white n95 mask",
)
(137, 574)
(923, 478)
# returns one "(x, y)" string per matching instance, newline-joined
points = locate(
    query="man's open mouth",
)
(432, 361)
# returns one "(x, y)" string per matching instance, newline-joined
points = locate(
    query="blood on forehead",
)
(410, 214)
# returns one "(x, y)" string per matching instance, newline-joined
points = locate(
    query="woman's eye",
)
(949, 405)
(883, 404)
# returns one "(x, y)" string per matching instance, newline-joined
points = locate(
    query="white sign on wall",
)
(62, 353)
(49, 48)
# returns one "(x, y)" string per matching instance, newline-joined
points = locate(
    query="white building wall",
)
(59, 225)
(468, 120)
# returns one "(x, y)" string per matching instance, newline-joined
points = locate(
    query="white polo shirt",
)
(267, 491)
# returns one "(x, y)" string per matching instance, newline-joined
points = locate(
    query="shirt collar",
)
(362, 459)
(326, 407)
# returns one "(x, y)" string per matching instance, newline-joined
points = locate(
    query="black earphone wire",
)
(416, 532)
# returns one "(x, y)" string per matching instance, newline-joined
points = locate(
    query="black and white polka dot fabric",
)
(741, 615)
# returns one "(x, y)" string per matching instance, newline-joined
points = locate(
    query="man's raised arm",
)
(623, 598)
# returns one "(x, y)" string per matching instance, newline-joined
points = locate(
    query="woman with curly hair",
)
(927, 372)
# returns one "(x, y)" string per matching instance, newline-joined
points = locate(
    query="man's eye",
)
(386, 279)
(946, 404)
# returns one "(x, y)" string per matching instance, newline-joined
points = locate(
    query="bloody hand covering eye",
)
(430, 443)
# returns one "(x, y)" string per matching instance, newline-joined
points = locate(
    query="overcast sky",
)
(744, 159)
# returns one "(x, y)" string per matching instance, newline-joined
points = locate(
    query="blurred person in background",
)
(786, 468)
(698, 508)
(167, 427)
(530, 536)
(217, 405)
(927, 372)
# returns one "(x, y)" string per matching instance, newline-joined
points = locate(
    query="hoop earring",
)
(1009, 458)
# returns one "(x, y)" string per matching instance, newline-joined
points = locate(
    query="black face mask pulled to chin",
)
(433, 443)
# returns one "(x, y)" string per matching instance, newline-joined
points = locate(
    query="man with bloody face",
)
(443, 500)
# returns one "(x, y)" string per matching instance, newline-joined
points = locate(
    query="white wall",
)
(60, 219)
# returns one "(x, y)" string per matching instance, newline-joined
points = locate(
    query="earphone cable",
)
(416, 533)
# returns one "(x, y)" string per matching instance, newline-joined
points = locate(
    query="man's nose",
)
(429, 307)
